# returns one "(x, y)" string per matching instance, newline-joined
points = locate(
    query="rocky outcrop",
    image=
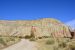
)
(42, 27)
(72, 33)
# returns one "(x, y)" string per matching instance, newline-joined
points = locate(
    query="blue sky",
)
(63, 10)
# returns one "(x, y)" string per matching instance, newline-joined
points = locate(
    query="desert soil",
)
(24, 44)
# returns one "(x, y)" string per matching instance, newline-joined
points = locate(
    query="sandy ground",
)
(24, 44)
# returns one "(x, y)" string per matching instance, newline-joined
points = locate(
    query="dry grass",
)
(44, 43)
(51, 44)
(7, 41)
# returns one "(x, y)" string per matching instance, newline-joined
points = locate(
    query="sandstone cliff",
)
(38, 31)
(42, 27)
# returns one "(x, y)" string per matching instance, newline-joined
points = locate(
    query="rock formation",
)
(72, 33)
(33, 30)
(42, 27)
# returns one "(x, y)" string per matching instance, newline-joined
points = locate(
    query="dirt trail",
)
(23, 45)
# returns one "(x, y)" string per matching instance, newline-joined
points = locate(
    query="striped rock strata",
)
(41, 27)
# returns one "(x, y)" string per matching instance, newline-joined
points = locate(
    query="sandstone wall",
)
(43, 27)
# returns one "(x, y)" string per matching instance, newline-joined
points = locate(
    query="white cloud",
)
(71, 24)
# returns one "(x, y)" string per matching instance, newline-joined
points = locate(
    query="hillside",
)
(43, 27)
(46, 33)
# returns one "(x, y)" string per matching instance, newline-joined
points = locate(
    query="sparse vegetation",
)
(62, 44)
(32, 39)
(27, 37)
(49, 42)
(6, 41)
(2, 41)
(39, 37)
(46, 41)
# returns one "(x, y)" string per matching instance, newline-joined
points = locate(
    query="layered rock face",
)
(42, 27)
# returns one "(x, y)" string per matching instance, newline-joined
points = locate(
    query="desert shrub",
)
(72, 48)
(12, 39)
(45, 36)
(40, 37)
(48, 42)
(27, 37)
(56, 48)
(32, 39)
(0, 35)
(62, 44)
(72, 45)
(2, 41)
(31, 36)
(20, 37)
